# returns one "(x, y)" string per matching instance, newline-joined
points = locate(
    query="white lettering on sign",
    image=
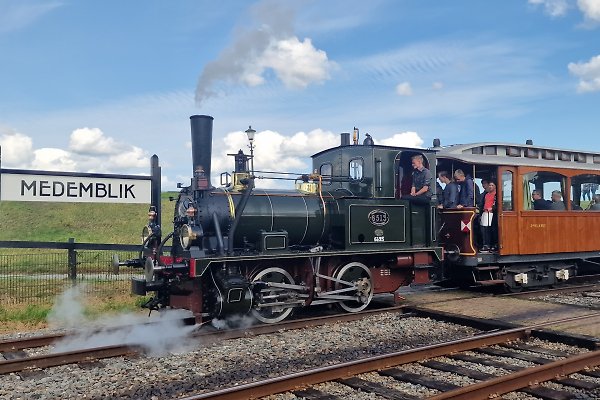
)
(74, 189)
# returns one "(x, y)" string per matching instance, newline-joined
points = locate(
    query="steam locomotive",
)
(344, 233)
(339, 237)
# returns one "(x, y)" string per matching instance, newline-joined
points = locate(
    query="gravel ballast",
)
(233, 362)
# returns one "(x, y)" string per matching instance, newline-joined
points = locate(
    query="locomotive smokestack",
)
(201, 149)
(345, 139)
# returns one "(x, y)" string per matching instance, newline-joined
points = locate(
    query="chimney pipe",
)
(201, 150)
(345, 139)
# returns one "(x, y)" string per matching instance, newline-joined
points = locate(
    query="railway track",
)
(18, 361)
(507, 343)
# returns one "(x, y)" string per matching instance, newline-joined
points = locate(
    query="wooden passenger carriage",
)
(536, 247)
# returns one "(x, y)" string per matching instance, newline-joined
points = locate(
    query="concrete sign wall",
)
(20, 185)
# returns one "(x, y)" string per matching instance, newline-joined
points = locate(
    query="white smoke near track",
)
(67, 311)
(234, 322)
(160, 334)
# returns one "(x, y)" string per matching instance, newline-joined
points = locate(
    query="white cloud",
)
(131, 157)
(554, 8)
(91, 141)
(588, 74)
(16, 150)
(590, 9)
(89, 151)
(404, 139)
(404, 89)
(51, 159)
(297, 64)
(437, 85)
(273, 151)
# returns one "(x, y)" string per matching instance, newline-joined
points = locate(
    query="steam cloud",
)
(157, 335)
(270, 44)
(234, 322)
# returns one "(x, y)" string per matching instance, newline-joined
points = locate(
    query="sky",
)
(100, 86)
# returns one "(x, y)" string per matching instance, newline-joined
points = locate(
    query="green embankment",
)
(86, 222)
(57, 222)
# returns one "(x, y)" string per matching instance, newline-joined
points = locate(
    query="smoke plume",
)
(269, 43)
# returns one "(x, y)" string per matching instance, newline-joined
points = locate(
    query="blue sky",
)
(94, 86)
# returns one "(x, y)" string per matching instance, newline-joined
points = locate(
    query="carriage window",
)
(544, 191)
(356, 169)
(326, 171)
(585, 192)
(507, 193)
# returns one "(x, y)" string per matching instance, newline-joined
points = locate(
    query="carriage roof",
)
(496, 153)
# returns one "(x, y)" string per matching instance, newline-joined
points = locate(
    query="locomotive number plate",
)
(379, 239)
(378, 217)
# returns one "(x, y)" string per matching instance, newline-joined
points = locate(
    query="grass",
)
(86, 222)
(112, 299)
(25, 303)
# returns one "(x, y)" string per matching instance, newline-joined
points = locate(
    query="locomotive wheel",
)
(357, 275)
(272, 315)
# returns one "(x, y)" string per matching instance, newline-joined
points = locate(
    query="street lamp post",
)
(251, 132)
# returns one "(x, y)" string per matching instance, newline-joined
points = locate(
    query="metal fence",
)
(36, 272)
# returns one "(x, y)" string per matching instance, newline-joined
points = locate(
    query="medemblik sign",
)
(22, 185)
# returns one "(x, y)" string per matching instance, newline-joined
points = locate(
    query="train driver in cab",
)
(422, 181)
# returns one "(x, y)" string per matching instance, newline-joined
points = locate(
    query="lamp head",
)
(250, 132)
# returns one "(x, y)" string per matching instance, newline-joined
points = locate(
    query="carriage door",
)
(508, 221)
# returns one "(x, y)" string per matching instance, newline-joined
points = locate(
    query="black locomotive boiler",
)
(339, 237)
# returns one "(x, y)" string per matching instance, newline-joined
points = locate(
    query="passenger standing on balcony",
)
(450, 195)
(487, 212)
(439, 193)
(466, 197)
(422, 181)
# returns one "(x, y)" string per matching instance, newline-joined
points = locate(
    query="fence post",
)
(155, 172)
(72, 260)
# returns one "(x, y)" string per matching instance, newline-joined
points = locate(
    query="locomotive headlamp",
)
(190, 235)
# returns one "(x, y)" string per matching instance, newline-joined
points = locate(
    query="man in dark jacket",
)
(450, 196)
(466, 197)
(538, 202)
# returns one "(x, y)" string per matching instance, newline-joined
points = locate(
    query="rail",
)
(339, 371)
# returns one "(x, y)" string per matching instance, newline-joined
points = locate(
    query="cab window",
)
(356, 169)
